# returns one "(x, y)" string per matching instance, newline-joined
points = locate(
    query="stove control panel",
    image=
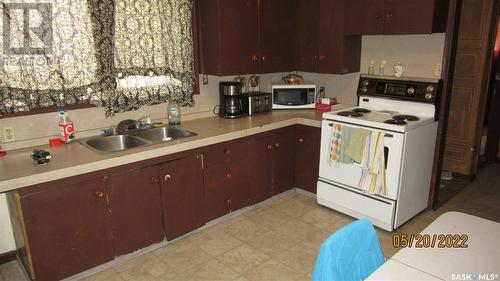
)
(416, 90)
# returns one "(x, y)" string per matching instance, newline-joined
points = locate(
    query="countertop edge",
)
(24, 181)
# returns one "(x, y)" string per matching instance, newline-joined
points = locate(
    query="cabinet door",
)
(239, 36)
(307, 35)
(182, 195)
(283, 161)
(408, 16)
(261, 174)
(238, 183)
(68, 229)
(307, 147)
(140, 226)
(364, 17)
(277, 48)
(216, 195)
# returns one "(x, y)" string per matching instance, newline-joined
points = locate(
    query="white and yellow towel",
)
(373, 164)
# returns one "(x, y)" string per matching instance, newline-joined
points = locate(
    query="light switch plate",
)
(8, 134)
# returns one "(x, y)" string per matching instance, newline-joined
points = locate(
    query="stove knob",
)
(430, 88)
(411, 91)
(364, 90)
(364, 83)
(428, 96)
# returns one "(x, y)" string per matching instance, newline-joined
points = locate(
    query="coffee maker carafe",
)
(230, 99)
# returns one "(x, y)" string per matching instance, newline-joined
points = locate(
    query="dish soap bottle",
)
(174, 113)
(66, 127)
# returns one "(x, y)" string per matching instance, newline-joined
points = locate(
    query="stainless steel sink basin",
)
(134, 138)
(162, 134)
(113, 143)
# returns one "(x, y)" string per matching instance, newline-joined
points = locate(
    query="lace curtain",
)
(81, 51)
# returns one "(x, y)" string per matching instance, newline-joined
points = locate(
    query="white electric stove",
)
(404, 111)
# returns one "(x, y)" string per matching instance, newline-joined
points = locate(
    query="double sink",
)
(134, 138)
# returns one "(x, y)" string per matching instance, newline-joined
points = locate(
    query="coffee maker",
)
(230, 99)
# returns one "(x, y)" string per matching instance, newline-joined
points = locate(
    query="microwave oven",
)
(293, 96)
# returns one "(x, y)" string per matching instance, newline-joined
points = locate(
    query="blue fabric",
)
(351, 253)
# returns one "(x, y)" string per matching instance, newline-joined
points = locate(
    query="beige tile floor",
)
(276, 241)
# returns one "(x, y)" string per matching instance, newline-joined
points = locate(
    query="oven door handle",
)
(388, 136)
(330, 124)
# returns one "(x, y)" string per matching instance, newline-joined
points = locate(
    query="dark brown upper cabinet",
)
(391, 17)
(246, 36)
(321, 45)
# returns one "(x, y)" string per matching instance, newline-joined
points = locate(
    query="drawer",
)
(225, 152)
(357, 205)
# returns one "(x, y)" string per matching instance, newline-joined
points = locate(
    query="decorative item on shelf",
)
(381, 68)
(399, 69)
(371, 67)
(254, 83)
(243, 82)
(293, 79)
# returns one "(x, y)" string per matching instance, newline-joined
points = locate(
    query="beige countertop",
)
(17, 169)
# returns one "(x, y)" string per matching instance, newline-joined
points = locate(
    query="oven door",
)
(350, 174)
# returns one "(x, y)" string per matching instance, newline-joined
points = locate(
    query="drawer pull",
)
(99, 194)
(154, 180)
(301, 140)
(277, 144)
(228, 175)
(227, 151)
(168, 177)
(269, 147)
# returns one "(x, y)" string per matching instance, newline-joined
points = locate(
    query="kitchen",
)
(422, 55)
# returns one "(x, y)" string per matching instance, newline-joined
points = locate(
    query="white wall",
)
(420, 54)
(6, 237)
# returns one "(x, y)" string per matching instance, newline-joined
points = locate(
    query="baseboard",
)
(7, 257)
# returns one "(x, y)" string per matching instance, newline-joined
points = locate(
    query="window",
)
(116, 54)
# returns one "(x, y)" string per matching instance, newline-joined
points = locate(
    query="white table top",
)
(393, 270)
(481, 257)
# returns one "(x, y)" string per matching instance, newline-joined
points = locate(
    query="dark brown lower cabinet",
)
(225, 178)
(66, 229)
(182, 195)
(271, 164)
(307, 147)
(135, 204)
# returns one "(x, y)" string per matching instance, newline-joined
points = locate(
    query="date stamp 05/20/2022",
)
(425, 241)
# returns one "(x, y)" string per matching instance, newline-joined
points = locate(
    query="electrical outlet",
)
(322, 89)
(437, 70)
(8, 134)
(205, 79)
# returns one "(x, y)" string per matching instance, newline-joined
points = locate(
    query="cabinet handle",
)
(254, 58)
(322, 57)
(315, 57)
(277, 144)
(227, 151)
(168, 177)
(301, 140)
(263, 58)
(269, 147)
(154, 180)
(228, 175)
(99, 194)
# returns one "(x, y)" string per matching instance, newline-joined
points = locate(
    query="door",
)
(68, 229)
(470, 86)
(307, 142)
(307, 34)
(140, 226)
(364, 17)
(349, 175)
(283, 161)
(182, 195)
(408, 16)
(217, 192)
(261, 174)
(239, 32)
(277, 28)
